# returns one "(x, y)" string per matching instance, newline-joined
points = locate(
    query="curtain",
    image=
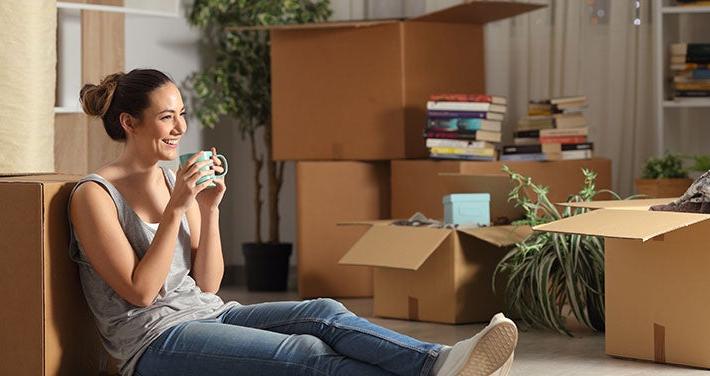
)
(600, 49)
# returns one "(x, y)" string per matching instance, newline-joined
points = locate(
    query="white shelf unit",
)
(671, 23)
(69, 38)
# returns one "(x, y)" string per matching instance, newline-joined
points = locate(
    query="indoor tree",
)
(237, 84)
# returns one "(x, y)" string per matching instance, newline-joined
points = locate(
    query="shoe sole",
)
(492, 351)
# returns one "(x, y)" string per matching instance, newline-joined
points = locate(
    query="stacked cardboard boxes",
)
(347, 97)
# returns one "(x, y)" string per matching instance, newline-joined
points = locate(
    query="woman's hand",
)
(211, 198)
(186, 187)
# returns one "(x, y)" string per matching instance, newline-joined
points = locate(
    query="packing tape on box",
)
(28, 57)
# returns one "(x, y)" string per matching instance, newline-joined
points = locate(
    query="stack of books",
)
(464, 126)
(693, 3)
(554, 129)
(690, 64)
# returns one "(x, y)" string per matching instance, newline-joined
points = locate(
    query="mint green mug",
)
(206, 155)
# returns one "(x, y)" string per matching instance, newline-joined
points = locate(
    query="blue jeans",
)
(313, 337)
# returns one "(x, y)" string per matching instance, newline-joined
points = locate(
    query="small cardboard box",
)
(657, 279)
(358, 90)
(430, 274)
(45, 325)
(439, 275)
(327, 193)
(417, 185)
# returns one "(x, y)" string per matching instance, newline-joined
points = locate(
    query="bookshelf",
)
(675, 24)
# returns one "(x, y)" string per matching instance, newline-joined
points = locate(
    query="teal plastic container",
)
(467, 209)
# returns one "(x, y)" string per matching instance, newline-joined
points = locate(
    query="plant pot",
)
(662, 188)
(267, 265)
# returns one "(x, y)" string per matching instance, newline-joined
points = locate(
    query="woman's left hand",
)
(211, 197)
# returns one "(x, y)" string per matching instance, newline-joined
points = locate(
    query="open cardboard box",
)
(357, 90)
(657, 286)
(439, 275)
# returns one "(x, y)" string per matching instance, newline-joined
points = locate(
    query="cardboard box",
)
(358, 90)
(439, 275)
(418, 186)
(328, 193)
(657, 279)
(45, 325)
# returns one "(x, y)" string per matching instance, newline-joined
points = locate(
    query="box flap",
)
(316, 25)
(374, 222)
(400, 247)
(624, 224)
(500, 236)
(478, 12)
(619, 204)
(498, 185)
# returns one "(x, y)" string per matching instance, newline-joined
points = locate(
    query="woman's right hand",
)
(186, 187)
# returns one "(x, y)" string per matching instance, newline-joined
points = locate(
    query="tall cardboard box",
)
(657, 279)
(45, 325)
(417, 185)
(358, 90)
(328, 193)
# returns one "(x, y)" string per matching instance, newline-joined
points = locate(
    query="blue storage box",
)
(468, 209)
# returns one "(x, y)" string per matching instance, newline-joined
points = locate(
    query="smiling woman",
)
(152, 288)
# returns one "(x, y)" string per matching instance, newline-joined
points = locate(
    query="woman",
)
(148, 245)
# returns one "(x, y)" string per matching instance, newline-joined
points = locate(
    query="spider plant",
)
(548, 275)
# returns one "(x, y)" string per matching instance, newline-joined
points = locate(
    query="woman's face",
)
(162, 124)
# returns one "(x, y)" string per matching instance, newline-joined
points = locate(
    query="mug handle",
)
(224, 165)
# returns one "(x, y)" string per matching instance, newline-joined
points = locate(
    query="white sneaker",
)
(488, 353)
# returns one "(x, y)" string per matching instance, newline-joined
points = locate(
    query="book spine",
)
(485, 152)
(462, 157)
(697, 59)
(461, 98)
(458, 106)
(563, 140)
(698, 49)
(522, 149)
(701, 74)
(523, 157)
(527, 134)
(692, 93)
(457, 114)
(563, 132)
(451, 135)
(452, 143)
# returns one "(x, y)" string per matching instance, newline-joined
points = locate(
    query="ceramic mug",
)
(206, 155)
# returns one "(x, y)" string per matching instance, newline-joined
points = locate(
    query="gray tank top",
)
(127, 330)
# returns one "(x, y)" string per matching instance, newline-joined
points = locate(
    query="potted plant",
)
(550, 277)
(663, 177)
(238, 86)
(700, 164)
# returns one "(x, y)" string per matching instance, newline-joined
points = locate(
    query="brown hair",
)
(118, 93)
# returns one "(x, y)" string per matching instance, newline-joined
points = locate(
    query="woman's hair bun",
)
(96, 99)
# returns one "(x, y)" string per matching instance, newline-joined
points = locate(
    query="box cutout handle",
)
(659, 343)
(658, 238)
(413, 304)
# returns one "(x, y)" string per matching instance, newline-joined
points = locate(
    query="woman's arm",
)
(95, 220)
(207, 260)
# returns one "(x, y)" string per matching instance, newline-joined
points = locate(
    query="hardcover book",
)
(468, 98)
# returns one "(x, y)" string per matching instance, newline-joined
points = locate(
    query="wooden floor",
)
(538, 352)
